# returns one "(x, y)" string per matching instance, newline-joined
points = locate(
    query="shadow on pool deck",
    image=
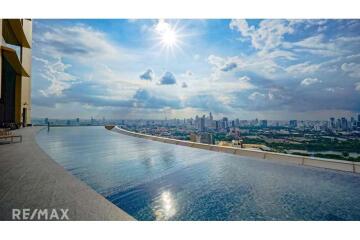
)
(30, 179)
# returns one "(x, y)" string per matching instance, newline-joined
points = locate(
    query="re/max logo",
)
(40, 214)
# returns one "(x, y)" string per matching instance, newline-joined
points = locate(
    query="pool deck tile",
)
(29, 178)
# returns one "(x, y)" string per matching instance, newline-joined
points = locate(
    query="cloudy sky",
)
(267, 69)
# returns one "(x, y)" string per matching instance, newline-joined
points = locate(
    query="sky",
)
(272, 69)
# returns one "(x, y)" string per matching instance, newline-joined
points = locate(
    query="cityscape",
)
(334, 138)
(227, 118)
(180, 119)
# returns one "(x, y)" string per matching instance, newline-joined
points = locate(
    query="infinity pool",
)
(157, 181)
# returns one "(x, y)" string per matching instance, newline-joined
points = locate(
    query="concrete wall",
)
(288, 158)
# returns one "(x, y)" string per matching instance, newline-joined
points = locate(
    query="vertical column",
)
(1, 42)
(26, 81)
(18, 110)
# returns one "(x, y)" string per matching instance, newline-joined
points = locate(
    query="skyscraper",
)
(344, 124)
(293, 123)
(225, 122)
(263, 123)
(237, 122)
(332, 122)
(338, 123)
(15, 70)
(202, 124)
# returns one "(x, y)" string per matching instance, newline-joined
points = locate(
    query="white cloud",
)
(267, 36)
(162, 26)
(56, 74)
(316, 45)
(261, 64)
(244, 83)
(309, 81)
(103, 60)
(353, 69)
(81, 42)
(256, 96)
(303, 68)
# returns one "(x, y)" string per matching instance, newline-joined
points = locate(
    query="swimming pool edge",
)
(31, 179)
(333, 164)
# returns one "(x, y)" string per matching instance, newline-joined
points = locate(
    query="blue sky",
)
(267, 69)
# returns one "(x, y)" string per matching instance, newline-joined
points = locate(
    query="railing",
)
(293, 159)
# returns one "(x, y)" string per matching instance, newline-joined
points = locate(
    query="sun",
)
(169, 38)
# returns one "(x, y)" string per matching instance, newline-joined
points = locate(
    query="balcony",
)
(12, 57)
(13, 33)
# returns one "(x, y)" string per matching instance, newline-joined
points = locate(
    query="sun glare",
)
(168, 36)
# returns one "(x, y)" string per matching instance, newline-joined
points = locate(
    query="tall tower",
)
(15, 70)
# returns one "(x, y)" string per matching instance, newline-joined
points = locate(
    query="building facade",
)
(15, 69)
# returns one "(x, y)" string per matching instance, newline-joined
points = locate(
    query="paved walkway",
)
(30, 179)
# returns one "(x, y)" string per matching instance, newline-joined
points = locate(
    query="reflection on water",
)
(157, 181)
(164, 206)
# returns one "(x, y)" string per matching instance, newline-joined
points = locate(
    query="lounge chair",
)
(6, 134)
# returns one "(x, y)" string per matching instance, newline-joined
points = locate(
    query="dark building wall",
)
(8, 84)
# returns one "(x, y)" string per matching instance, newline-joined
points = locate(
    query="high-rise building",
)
(263, 123)
(344, 124)
(211, 121)
(202, 124)
(237, 122)
(332, 122)
(15, 70)
(293, 123)
(225, 122)
(338, 123)
(197, 122)
(352, 123)
(217, 125)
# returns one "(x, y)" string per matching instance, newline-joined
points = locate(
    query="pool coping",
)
(281, 157)
(31, 179)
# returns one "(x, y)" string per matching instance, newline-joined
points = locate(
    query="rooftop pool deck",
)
(31, 180)
(159, 181)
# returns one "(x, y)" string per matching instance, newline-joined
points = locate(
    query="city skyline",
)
(205, 122)
(156, 69)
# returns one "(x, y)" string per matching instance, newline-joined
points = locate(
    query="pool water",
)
(158, 181)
